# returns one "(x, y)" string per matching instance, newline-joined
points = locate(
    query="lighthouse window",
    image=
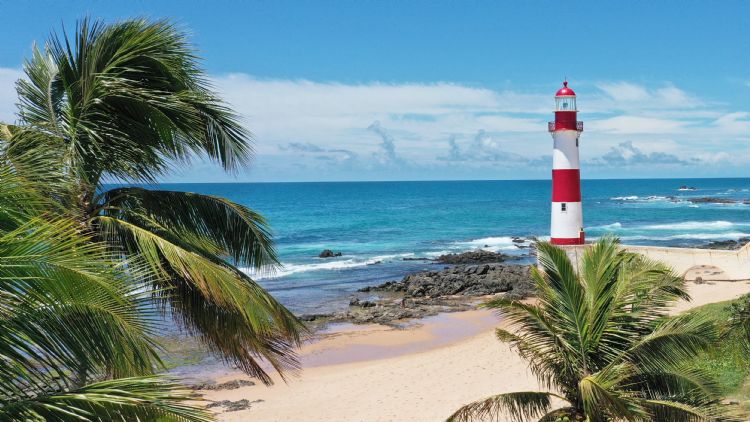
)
(563, 207)
(565, 103)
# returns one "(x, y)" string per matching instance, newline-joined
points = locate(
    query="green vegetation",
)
(600, 340)
(728, 361)
(75, 331)
(86, 272)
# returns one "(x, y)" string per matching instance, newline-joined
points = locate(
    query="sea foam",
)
(330, 264)
(696, 225)
(493, 244)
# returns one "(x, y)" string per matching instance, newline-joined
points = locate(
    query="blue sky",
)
(383, 90)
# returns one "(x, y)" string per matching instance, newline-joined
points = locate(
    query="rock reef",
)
(327, 253)
(727, 244)
(454, 288)
(473, 257)
(462, 280)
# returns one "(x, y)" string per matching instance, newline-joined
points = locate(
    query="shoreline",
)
(404, 375)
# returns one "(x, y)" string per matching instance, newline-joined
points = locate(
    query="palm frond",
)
(519, 406)
(672, 342)
(64, 304)
(229, 311)
(602, 338)
(124, 399)
(673, 411)
(604, 399)
(239, 233)
(128, 98)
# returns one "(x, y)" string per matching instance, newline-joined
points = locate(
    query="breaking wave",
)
(493, 244)
(691, 236)
(328, 264)
(652, 198)
(697, 225)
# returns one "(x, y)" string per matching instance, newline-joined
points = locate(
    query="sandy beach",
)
(420, 373)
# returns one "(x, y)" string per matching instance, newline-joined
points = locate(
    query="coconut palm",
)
(600, 340)
(126, 102)
(74, 331)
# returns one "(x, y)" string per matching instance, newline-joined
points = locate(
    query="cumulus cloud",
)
(737, 122)
(387, 153)
(431, 128)
(636, 124)
(484, 148)
(626, 154)
(630, 96)
(319, 153)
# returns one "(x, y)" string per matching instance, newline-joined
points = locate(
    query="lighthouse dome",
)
(565, 91)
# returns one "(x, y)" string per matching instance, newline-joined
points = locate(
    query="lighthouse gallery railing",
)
(551, 126)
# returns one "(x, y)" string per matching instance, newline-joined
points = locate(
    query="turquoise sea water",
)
(377, 224)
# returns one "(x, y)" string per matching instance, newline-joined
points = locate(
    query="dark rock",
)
(233, 406)
(473, 257)
(518, 240)
(727, 244)
(362, 303)
(313, 317)
(712, 200)
(229, 385)
(415, 259)
(464, 280)
(327, 253)
(428, 293)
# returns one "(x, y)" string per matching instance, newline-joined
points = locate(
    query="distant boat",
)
(683, 188)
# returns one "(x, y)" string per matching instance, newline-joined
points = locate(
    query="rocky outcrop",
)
(327, 253)
(233, 406)
(362, 303)
(473, 257)
(727, 244)
(463, 280)
(429, 293)
(229, 385)
(712, 200)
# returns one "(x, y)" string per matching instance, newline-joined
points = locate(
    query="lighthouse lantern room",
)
(567, 213)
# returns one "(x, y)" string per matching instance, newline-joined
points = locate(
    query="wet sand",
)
(420, 373)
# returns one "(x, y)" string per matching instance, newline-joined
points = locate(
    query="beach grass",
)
(728, 361)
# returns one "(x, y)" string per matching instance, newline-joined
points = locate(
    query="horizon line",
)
(418, 180)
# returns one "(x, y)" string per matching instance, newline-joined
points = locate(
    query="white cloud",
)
(626, 154)
(317, 130)
(636, 124)
(630, 97)
(736, 122)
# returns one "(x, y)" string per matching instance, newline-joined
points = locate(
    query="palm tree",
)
(127, 102)
(65, 310)
(600, 340)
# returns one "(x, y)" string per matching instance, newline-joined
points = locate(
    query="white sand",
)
(426, 385)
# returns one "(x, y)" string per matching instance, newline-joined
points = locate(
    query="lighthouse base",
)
(569, 240)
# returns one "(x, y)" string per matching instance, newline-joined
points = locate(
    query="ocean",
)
(375, 225)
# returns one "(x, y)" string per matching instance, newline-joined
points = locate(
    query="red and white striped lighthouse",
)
(567, 213)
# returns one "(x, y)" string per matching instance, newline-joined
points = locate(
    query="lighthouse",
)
(567, 213)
